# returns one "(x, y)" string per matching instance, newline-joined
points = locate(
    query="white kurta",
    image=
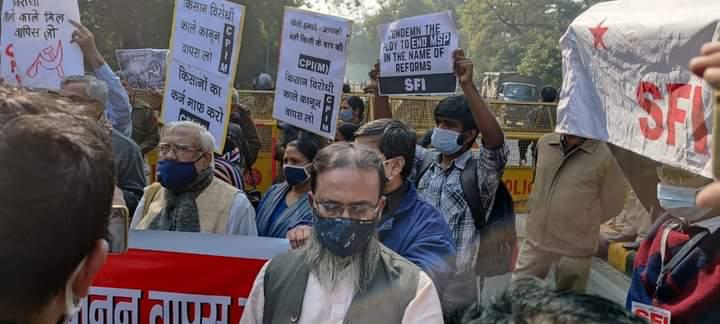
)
(323, 306)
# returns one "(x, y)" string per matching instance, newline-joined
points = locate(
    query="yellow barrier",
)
(520, 121)
(519, 182)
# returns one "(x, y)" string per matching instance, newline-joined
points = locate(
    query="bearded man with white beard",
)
(343, 274)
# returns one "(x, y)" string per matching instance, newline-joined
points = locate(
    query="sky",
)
(324, 6)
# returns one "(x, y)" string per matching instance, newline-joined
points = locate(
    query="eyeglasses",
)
(360, 212)
(177, 149)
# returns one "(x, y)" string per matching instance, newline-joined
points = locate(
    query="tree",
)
(522, 35)
(147, 24)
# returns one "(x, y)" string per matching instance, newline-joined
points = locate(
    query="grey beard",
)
(331, 269)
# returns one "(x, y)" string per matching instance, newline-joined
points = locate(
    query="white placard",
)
(627, 82)
(313, 57)
(416, 55)
(143, 68)
(201, 67)
(36, 48)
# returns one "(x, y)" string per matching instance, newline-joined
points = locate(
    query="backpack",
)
(498, 239)
(676, 273)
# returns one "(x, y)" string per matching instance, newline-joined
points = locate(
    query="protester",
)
(346, 88)
(426, 140)
(145, 129)
(263, 82)
(286, 204)
(578, 186)
(532, 301)
(119, 110)
(56, 179)
(707, 66)
(631, 225)
(346, 132)
(352, 110)
(189, 198)
(459, 120)
(408, 225)
(247, 139)
(343, 274)
(227, 166)
(91, 92)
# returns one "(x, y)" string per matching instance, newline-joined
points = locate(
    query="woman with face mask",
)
(286, 204)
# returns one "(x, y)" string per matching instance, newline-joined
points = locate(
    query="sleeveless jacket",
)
(392, 288)
(213, 205)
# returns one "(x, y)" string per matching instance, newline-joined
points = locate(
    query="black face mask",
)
(344, 236)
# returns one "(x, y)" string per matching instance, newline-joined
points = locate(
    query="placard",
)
(203, 58)
(36, 48)
(416, 55)
(143, 68)
(177, 277)
(313, 58)
(627, 82)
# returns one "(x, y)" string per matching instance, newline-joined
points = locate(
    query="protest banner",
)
(143, 68)
(627, 82)
(416, 55)
(36, 48)
(178, 278)
(204, 51)
(313, 57)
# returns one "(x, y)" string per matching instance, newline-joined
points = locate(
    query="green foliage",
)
(522, 35)
(119, 24)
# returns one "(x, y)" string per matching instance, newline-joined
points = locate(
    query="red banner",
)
(150, 286)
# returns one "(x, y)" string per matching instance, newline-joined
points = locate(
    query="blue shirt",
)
(281, 207)
(118, 109)
(418, 232)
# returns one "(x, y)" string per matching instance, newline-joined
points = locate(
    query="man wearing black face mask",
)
(343, 274)
(440, 175)
(189, 198)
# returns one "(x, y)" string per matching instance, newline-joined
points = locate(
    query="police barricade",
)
(178, 278)
(523, 123)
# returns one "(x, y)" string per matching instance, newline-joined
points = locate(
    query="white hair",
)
(95, 88)
(207, 142)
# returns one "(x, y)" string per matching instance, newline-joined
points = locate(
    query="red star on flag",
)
(598, 35)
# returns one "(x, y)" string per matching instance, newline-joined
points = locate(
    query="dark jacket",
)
(128, 169)
(418, 232)
(145, 131)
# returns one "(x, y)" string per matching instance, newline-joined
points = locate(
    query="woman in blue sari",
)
(286, 204)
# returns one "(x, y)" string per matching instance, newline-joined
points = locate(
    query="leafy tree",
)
(147, 23)
(522, 35)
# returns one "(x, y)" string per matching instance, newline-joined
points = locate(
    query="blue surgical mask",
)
(680, 202)
(445, 141)
(295, 175)
(344, 236)
(346, 115)
(176, 175)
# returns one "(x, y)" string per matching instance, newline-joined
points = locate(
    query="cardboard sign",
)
(36, 48)
(143, 68)
(626, 79)
(416, 55)
(203, 59)
(313, 57)
(178, 278)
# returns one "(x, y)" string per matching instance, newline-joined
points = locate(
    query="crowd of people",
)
(381, 229)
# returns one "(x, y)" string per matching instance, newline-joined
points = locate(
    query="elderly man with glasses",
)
(343, 273)
(189, 198)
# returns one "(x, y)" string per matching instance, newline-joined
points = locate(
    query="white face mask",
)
(680, 202)
(72, 302)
